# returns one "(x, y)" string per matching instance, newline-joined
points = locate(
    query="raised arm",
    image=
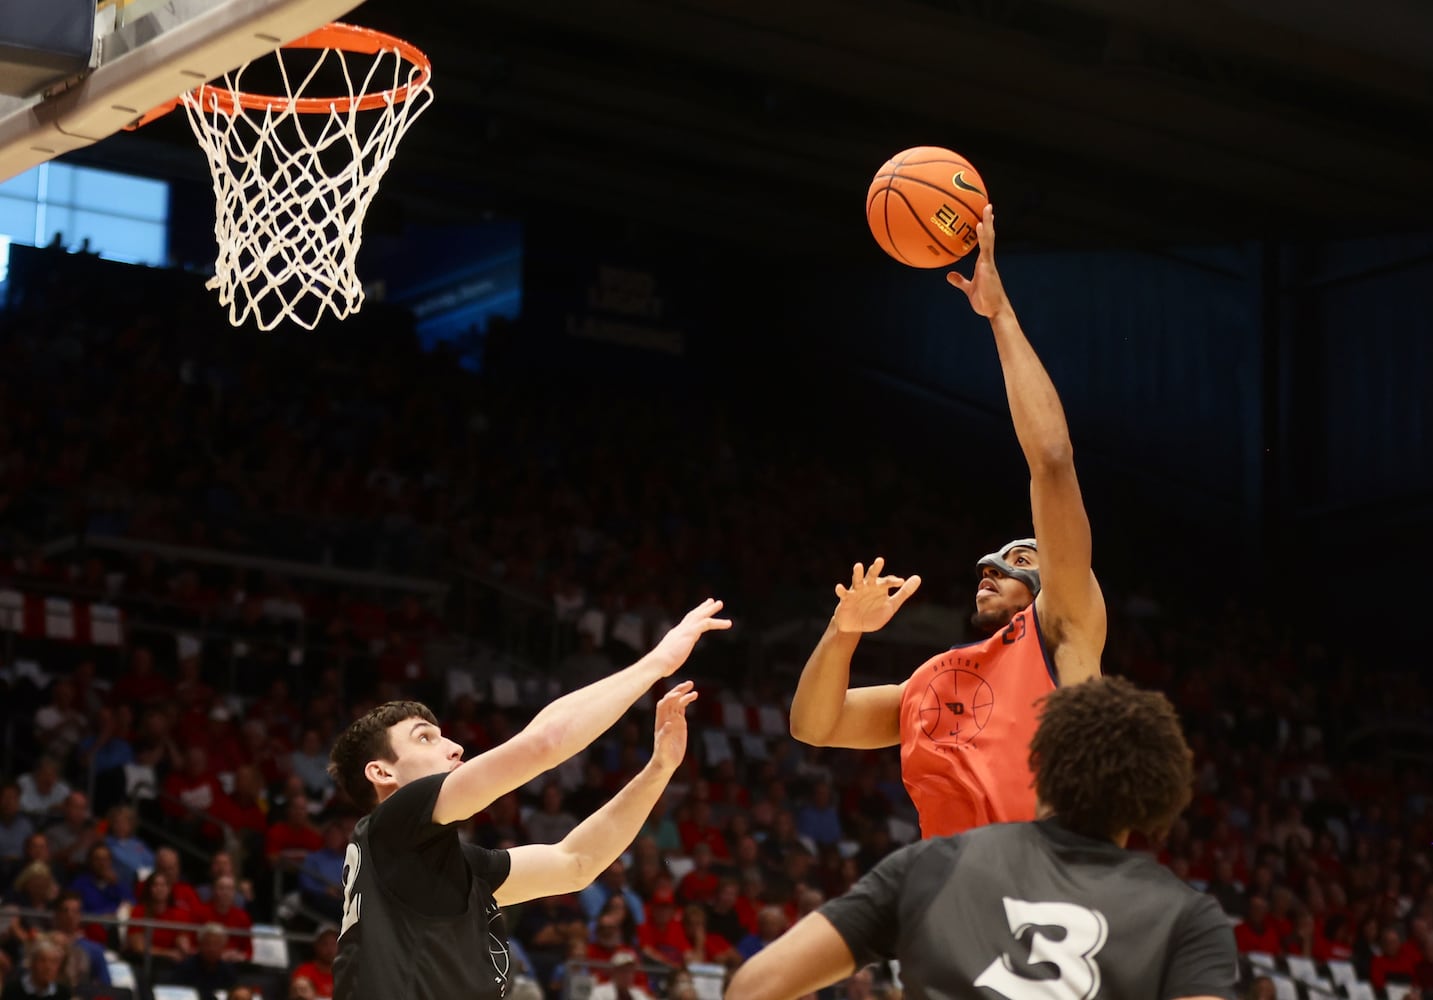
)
(570, 723)
(825, 710)
(1071, 607)
(810, 956)
(576, 860)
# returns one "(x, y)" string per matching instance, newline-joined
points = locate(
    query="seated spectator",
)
(660, 937)
(223, 908)
(750, 901)
(319, 969)
(662, 829)
(15, 829)
(194, 798)
(1303, 940)
(207, 970)
(784, 836)
(246, 809)
(593, 793)
(310, 762)
(42, 792)
(622, 985)
(611, 882)
(168, 943)
(37, 851)
(463, 726)
(321, 875)
(71, 837)
(280, 715)
(1257, 933)
(705, 945)
(1396, 957)
(40, 978)
(608, 938)
(700, 884)
(550, 822)
(166, 862)
(1337, 938)
(618, 909)
(291, 838)
(722, 915)
(501, 823)
(106, 751)
(60, 724)
(727, 792)
(35, 887)
(221, 865)
(141, 685)
(133, 859)
(701, 828)
(771, 923)
(573, 968)
(85, 963)
(100, 890)
(546, 926)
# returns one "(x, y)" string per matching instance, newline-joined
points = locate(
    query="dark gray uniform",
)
(1032, 911)
(419, 920)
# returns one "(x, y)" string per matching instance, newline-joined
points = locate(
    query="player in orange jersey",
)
(964, 719)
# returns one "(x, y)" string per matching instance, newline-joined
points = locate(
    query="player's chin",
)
(990, 620)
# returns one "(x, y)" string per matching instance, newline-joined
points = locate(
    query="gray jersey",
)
(1032, 911)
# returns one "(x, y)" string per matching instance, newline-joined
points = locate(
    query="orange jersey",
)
(967, 718)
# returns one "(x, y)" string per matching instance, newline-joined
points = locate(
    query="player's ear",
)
(380, 774)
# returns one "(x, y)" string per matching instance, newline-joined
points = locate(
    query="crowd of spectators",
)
(179, 777)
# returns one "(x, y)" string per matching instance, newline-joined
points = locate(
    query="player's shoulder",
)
(1154, 877)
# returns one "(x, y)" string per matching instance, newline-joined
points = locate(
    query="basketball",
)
(923, 205)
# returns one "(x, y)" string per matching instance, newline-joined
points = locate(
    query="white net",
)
(293, 186)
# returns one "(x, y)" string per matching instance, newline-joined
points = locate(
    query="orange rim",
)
(341, 36)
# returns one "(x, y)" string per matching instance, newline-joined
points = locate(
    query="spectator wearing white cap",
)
(622, 985)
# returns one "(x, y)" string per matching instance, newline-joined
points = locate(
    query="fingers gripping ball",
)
(923, 205)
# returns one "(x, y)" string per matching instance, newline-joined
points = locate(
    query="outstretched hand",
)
(671, 726)
(677, 644)
(983, 288)
(868, 603)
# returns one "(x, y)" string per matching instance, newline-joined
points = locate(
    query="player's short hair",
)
(367, 739)
(1110, 757)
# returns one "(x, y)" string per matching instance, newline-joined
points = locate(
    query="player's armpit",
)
(539, 870)
(806, 958)
(870, 719)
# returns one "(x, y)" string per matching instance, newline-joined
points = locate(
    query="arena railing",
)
(261, 932)
(434, 590)
(708, 979)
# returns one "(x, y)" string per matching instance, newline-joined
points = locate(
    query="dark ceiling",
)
(1092, 121)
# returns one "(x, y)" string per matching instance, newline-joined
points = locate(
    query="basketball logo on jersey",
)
(497, 947)
(956, 706)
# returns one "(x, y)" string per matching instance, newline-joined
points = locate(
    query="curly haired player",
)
(1050, 909)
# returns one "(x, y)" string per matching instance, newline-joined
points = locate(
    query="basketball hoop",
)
(295, 174)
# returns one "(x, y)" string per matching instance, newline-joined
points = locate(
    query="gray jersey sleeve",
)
(1203, 961)
(867, 916)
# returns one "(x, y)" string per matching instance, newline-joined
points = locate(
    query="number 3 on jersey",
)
(1073, 955)
(352, 859)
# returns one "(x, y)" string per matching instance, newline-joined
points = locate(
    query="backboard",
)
(148, 52)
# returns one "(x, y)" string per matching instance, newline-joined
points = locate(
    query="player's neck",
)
(1042, 811)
